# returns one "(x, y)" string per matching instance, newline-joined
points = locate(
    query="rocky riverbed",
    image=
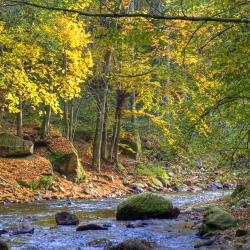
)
(180, 233)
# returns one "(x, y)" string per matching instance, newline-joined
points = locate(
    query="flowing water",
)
(168, 234)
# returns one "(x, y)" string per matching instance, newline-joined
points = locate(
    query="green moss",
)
(55, 156)
(44, 182)
(240, 195)
(152, 170)
(145, 205)
(216, 218)
(120, 167)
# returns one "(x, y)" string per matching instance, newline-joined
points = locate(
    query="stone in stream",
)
(66, 219)
(216, 218)
(3, 246)
(146, 206)
(90, 227)
(23, 229)
(11, 145)
(100, 243)
(132, 244)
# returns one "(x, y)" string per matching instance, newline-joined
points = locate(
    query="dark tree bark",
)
(105, 133)
(135, 126)
(46, 122)
(71, 120)
(20, 119)
(99, 132)
(66, 120)
(114, 152)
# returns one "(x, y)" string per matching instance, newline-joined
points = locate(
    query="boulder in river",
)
(146, 206)
(100, 243)
(3, 246)
(216, 218)
(23, 229)
(66, 219)
(90, 227)
(132, 244)
(14, 146)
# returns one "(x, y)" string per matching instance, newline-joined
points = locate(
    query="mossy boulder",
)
(216, 218)
(241, 194)
(145, 206)
(65, 160)
(14, 146)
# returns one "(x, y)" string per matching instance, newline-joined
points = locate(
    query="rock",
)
(216, 218)
(11, 145)
(142, 224)
(145, 206)
(67, 163)
(215, 186)
(188, 183)
(171, 174)
(239, 188)
(66, 219)
(23, 229)
(100, 243)
(137, 187)
(241, 232)
(132, 244)
(3, 246)
(163, 181)
(109, 178)
(205, 243)
(90, 227)
(227, 186)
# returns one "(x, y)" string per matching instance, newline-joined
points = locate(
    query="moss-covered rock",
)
(145, 206)
(66, 162)
(216, 218)
(241, 194)
(11, 145)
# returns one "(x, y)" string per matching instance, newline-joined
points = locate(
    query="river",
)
(168, 234)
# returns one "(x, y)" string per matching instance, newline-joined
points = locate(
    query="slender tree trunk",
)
(98, 135)
(20, 119)
(71, 120)
(66, 120)
(135, 126)
(114, 153)
(104, 133)
(46, 122)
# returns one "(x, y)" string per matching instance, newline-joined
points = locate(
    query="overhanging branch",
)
(134, 15)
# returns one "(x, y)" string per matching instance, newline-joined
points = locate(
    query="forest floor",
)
(16, 173)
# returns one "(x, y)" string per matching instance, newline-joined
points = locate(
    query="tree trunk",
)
(104, 133)
(99, 132)
(66, 120)
(46, 122)
(20, 119)
(114, 152)
(71, 120)
(135, 126)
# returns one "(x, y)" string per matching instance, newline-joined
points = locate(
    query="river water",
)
(168, 234)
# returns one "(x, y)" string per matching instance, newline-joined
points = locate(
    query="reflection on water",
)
(169, 234)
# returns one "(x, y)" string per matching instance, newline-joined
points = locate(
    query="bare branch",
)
(214, 37)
